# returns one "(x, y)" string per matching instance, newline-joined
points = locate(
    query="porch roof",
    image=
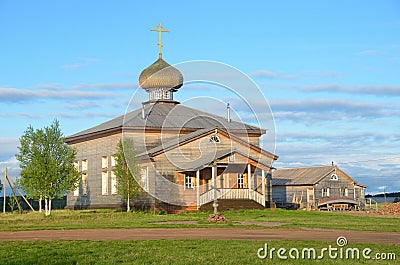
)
(200, 164)
(194, 135)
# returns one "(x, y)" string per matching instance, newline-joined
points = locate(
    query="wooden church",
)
(189, 159)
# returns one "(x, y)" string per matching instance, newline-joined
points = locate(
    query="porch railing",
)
(231, 194)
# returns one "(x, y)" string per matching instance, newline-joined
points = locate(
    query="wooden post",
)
(198, 188)
(213, 175)
(4, 190)
(249, 176)
(15, 185)
(263, 185)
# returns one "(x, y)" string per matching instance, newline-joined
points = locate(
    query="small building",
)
(316, 187)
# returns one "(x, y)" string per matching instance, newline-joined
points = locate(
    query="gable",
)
(202, 148)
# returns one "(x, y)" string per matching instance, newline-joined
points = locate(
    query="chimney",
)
(228, 109)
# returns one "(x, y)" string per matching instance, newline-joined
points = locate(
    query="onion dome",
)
(161, 75)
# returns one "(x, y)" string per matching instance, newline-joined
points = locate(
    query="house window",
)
(104, 162)
(84, 184)
(240, 181)
(84, 165)
(113, 183)
(231, 158)
(144, 178)
(344, 192)
(104, 183)
(189, 183)
(325, 192)
(334, 177)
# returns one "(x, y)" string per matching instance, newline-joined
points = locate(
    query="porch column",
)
(213, 174)
(263, 185)
(249, 176)
(269, 181)
(198, 188)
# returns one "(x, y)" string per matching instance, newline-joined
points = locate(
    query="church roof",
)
(161, 75)
(166, 116)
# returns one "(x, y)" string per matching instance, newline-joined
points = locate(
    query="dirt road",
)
(204, 233)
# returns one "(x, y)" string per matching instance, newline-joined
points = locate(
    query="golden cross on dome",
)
(160, 30)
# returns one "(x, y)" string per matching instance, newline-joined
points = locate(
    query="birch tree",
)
(126, 168)
(47, 164)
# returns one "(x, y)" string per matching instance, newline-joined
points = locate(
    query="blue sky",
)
(329, 69)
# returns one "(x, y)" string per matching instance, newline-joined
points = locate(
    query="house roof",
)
(303, 176)
(166, 116)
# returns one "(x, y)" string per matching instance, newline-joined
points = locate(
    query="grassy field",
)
(63, 219)
(175, 252)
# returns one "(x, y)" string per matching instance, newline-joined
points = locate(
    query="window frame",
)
(188, 182)
(240, 181)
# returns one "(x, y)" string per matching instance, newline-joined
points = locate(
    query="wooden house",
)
(317, 187)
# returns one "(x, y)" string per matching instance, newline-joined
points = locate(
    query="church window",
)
(113, 161)
(104, 162)
(144, 178)
(240, 181)
(231, 158)
(215, 139)
(113, 183)
(334, 177)
(189, 183)
(76, 166)
(157, 94)
(166, 94)
(84, 165)
(104, 183)
(84, 184)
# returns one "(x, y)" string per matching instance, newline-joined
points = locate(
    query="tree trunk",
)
(45, 206)
(128, 206)
(49, 206)
(40, 204)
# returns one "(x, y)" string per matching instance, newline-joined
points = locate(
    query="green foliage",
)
(126, 170)
(46, 162)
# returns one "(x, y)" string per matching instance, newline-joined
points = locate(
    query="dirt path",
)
(204, 233)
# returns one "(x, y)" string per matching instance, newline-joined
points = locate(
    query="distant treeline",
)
(388, 194)
(11, 205)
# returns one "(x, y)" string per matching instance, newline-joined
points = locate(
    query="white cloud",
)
(377, 90)
(371, 53)
(272, 75)
(107, 86)
(81, 63)
(15, 95)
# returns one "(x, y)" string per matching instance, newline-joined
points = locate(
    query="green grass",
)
(170, 252)
(63, 219)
